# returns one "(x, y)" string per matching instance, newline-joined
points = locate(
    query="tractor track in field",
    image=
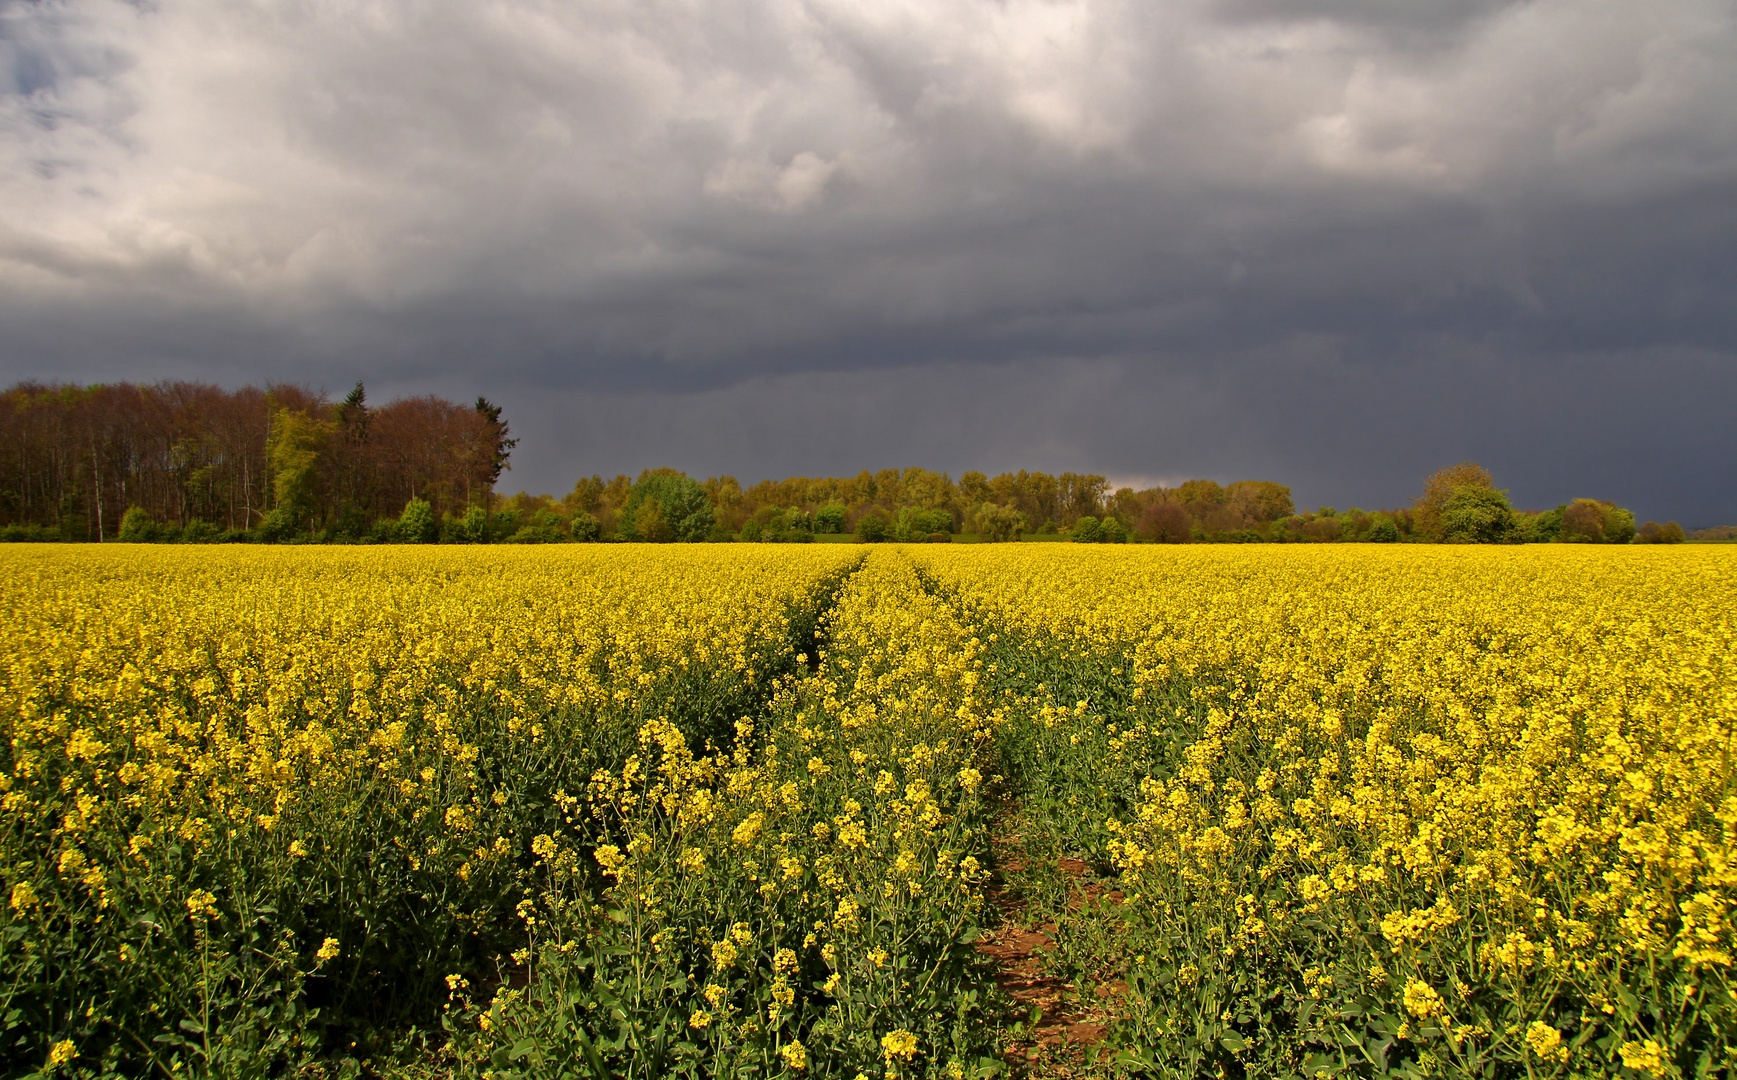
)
(1053, 1034)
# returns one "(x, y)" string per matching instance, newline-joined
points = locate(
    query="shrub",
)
(1087, 530)
(1618, 524)
(685, 511)
(473, 527)
(1541, 528)
(546, 527)
(1478, 515)
(792, 526)
(1597, 521)
(137, 526)
(417, 524)
(829, 519)
(751, 531)
(585, 528)
(648, 523)
(1429, 512)
(1654, 533)
(998, 524)
(932, 521)
(1112, 532)
(29, 534)
(1240, 536)
(1382, 530)
(872, 528)
(1164, 523)
(280, 526)
(351, 523)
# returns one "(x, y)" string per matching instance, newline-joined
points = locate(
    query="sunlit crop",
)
(215, 762)
(726, 810)
(1439, 809)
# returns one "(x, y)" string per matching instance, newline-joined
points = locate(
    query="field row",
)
(726, 811)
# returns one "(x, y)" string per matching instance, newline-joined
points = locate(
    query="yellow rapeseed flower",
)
(898, 1045)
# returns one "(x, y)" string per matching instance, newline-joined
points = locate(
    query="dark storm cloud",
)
(1337, 243)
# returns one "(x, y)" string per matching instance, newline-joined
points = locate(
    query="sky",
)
(1337, 244)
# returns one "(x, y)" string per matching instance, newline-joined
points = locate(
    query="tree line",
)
(201, 462)
(193, 462)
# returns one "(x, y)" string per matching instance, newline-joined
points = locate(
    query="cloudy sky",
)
(1335, 243)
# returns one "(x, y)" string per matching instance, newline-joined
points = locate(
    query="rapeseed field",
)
(1432, 811)
(728, 810)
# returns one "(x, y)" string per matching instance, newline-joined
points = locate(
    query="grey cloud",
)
(673, 204)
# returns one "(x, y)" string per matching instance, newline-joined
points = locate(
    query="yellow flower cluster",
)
(351, 752)
(1447, 811)
(1496, 786)
(818, 879)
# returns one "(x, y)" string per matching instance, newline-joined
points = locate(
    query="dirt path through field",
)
(1052, 1037)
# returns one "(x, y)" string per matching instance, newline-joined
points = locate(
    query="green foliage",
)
(1544, 527)
(1086, 530)
(932, 521)
(648, 523)
(1619, 525)
(1202, 494)
(1429, 510)
(498, 447)
(200, 532)
(829, 519)
(1597, 521)
(28, 534)
(1382, 530)
(350, 523)
(417, 525)
(872, 527)
(905, 527)
(683, 509)
(1260, 501)
(751, 530)
(1478, 515)
(1110, 531)
(298, 442)
(585, 528)
(281, 526)
(997, 524)
(545, 527)
(473, 527)
(791, 526)
(137, 526)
